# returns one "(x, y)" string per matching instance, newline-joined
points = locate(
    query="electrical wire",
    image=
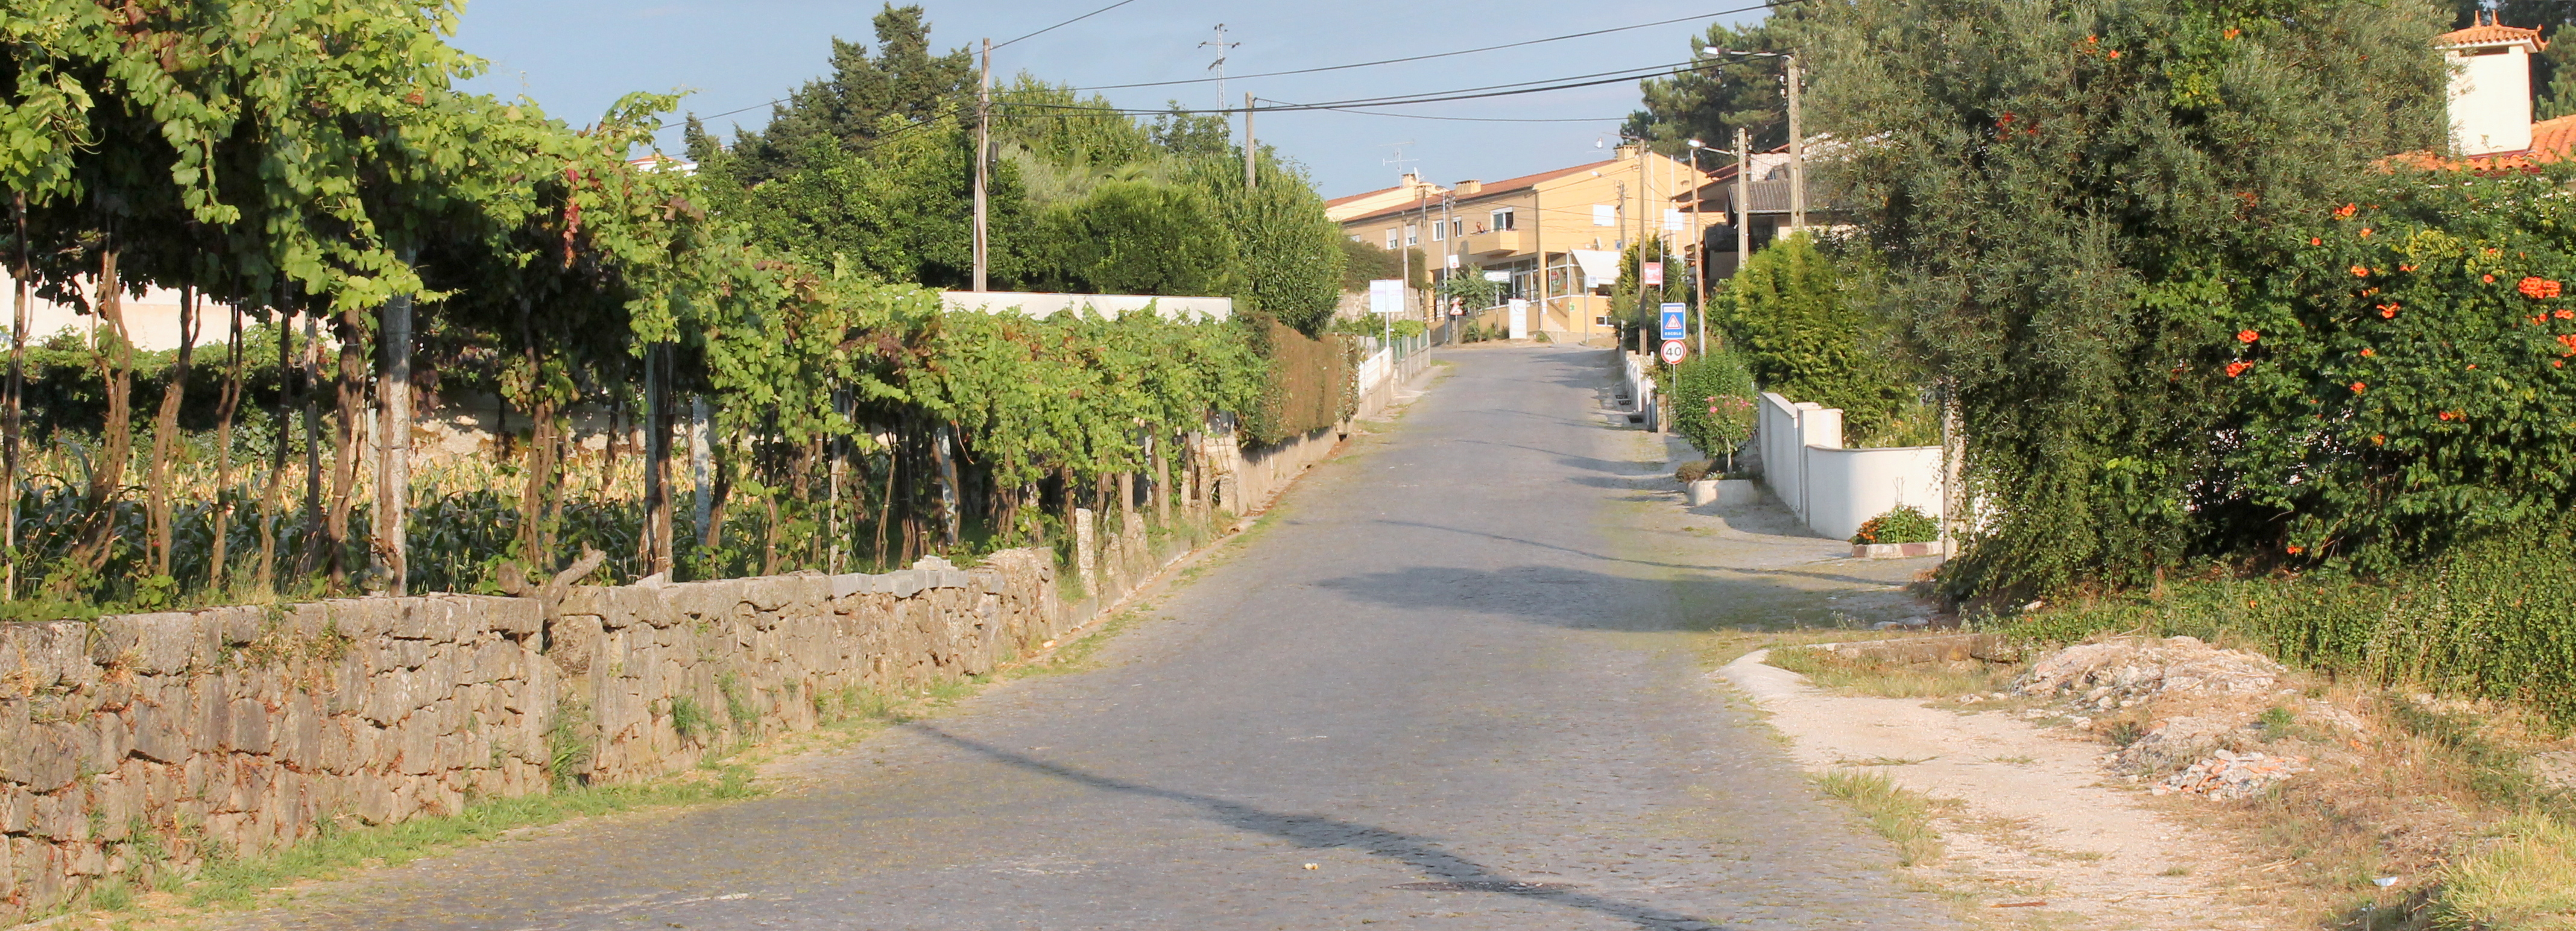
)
(1069, 22)
(1465, 93)
(1489, 48)
(1365, 64)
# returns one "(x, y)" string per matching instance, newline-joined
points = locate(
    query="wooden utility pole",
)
(1699, 248)
(1797, 151)
(1251, 149)
(16, 387)
(983, 162)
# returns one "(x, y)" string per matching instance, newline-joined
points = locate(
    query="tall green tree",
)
(901, 79)
(1709, 100)
(2063, 190)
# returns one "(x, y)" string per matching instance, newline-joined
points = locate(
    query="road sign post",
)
(1675, 351)
(1676, 320)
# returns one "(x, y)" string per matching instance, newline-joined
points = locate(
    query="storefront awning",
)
(1600, 266)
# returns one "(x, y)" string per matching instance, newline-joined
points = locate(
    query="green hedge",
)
(2488, 620)
(1308, 386)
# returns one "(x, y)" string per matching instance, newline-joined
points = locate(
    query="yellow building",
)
(1556, 234)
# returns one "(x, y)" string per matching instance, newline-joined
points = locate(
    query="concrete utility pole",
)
(1743, 198)
(983, 161)
(1251, 150)
(1797, 150)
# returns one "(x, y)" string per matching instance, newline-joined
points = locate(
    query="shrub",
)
(1901, 524)
(1712, 400)
(1693, 470)
(1800, 336)
(1309, 384)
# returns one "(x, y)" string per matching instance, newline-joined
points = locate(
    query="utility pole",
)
(1797, 151)
(983, 162)
(1251, 150)
(1743, 198)
(1220, 44)
(1699, 247)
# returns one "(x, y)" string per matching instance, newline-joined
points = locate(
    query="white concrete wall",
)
(1831, 489)
(2490, 99)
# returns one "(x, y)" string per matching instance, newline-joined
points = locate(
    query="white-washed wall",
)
(1831, 489)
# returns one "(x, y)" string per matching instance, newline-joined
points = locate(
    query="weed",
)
(2274, 723)
(2521, 875)
(2176, 871)
(1869, 675)
(2126, 732)
(113, 894)
(692, 721)
(1902, 816)
(568, 744)
(2016, 758)
(738, 704)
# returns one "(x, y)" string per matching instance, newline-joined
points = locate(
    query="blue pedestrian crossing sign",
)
(1676, 321)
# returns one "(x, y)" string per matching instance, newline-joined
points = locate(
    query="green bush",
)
(2062, 198)
(1308, 386)
(1901, 524)
(1803, 337)
(1712, 401)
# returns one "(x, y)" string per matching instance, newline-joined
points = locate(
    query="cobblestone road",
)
(1451, 660)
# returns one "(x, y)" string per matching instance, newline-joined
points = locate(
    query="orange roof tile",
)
(2489, 34)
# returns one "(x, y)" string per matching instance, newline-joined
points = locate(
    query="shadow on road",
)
(1587, 554)
(1316, 832)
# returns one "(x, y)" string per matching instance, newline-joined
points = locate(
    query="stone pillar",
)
(1086, 530)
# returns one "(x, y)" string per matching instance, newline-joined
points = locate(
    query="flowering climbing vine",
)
(2399, 379)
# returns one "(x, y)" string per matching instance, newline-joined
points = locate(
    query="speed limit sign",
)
(1675, 351)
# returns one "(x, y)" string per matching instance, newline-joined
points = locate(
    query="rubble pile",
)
(2123, 673)
(2227, 775)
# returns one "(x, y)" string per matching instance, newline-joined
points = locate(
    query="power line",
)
(1365, 64)
(1069, 22)
(1466, 93)
(1489, 48)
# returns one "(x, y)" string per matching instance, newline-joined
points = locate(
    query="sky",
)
(577, 58)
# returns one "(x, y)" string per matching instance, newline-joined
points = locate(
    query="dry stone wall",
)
(136, 746)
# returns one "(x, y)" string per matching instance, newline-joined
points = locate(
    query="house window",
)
(1457, 227)
(1412, 235)
(1503, 220)
(1605, 215)
(1439, 231)
(1390, 239)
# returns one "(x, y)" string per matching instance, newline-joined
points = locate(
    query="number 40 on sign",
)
(1675, 351)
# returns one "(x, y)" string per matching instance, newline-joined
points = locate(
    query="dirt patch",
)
(2031, 818)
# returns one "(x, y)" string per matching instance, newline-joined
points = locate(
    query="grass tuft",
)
(2522, 875)
(1901, 815)
(1869, 675)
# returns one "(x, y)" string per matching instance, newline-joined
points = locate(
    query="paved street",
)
(1456, 657)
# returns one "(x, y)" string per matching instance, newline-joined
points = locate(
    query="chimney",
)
(1470, 187)
(1627, 152)
(2490, 99)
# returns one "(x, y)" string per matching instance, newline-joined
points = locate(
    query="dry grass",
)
(1901, 815)
(1866, 675)
(2520, 875)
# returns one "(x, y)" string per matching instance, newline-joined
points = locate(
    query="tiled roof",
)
(2489, 34)
(2552, 140)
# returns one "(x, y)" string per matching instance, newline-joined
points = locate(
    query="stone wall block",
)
(50, 655)
(251, 730)
(516, 617)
